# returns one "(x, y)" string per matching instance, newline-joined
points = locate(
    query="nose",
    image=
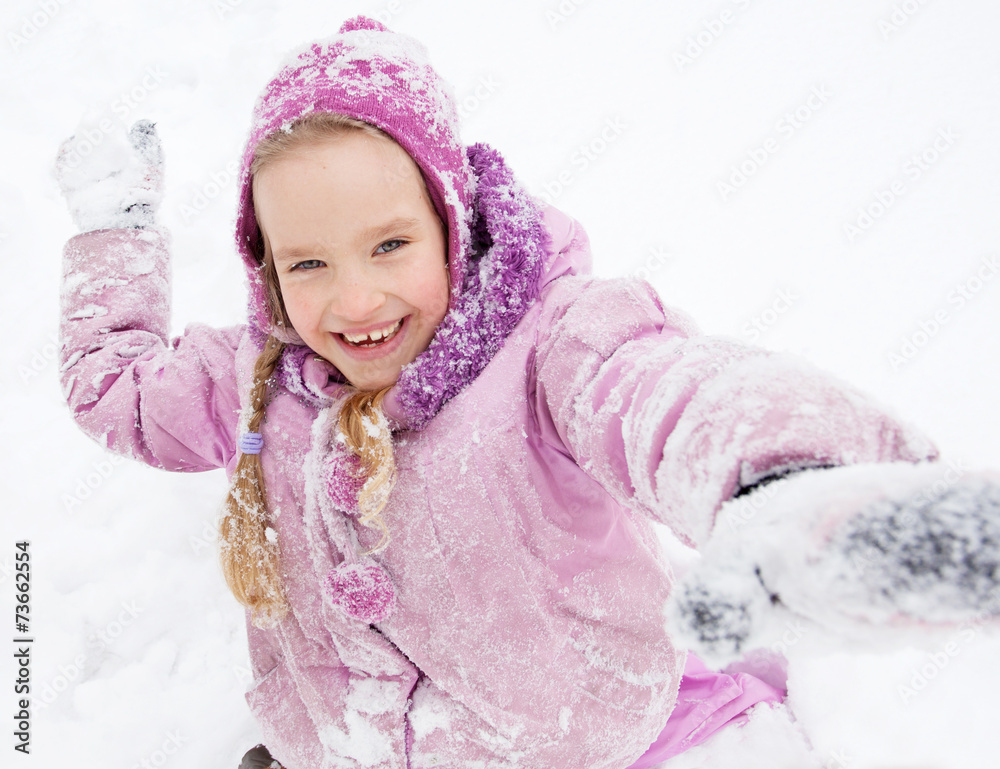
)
(355, 294)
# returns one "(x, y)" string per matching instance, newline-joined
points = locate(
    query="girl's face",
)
(359, 252)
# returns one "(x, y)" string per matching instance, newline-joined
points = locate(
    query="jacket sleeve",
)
(172, 405)
(674, 423)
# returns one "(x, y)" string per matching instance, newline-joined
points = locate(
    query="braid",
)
(249, 560)
(366, 430)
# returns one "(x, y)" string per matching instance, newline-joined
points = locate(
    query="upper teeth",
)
(374, 335)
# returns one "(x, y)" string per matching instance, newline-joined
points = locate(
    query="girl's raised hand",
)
(866, 551)
(111, 180)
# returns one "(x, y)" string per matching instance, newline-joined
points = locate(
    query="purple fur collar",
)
(509, 249)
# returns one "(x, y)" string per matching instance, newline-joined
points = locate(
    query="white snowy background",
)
(628, 115)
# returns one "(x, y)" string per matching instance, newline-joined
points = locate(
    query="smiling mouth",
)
(374, 338)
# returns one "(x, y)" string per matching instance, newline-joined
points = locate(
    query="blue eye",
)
(308, 264)
(392, 246)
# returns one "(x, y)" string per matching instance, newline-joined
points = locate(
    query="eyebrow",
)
(395, 226)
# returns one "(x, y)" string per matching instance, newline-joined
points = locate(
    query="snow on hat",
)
(385, 79)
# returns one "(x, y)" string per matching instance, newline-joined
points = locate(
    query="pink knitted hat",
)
(383, 78)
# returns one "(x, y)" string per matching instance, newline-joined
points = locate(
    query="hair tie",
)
(251, 443)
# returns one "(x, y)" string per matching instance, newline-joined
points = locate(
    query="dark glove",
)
(864, 551)
(259, 758)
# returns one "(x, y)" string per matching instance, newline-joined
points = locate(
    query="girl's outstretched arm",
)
(675, 423)
(171, 405)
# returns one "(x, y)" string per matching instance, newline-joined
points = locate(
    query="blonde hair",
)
(250, 559)
(367, 434)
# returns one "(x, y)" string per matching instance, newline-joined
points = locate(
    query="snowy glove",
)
(109, 180)
(858, 550)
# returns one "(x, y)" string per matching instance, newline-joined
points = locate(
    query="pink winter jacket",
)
(529, 627)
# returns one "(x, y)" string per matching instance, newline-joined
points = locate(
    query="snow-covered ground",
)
(816, 177)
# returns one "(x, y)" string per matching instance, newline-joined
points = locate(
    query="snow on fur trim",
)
(510, 245)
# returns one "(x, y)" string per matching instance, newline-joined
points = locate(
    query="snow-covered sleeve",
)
(172, 405)
(674, 423)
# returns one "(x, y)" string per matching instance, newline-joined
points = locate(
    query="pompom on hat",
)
(383, 78)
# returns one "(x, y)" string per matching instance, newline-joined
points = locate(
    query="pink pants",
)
(706, 702)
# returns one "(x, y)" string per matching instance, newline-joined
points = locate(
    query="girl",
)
(447, 443)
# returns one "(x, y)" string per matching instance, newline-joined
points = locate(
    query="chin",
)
(371, 383)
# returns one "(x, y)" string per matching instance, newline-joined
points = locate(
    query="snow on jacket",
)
(530, 586)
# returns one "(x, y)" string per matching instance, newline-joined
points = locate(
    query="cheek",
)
(435, 293)
(423, 285)
(299, 305)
